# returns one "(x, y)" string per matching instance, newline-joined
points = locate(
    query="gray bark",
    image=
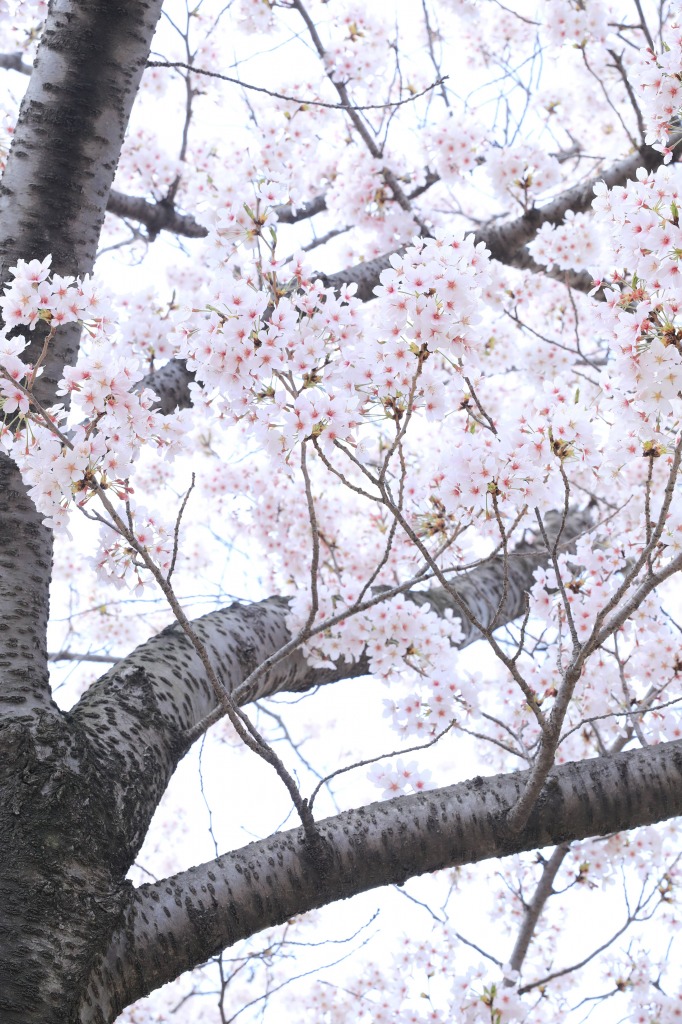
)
(171, 383)
(25, 568)
(162, 215)
(156, 217)
(67, 142)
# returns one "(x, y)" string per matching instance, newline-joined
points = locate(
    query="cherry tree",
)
(341, 344)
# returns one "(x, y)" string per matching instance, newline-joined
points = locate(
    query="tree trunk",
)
(61, 858)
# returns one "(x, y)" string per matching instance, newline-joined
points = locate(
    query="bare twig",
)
(302, 100)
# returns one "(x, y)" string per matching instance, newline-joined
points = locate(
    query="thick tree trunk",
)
(60, 869)
(61, 858)
(25, 569)
(67, 142)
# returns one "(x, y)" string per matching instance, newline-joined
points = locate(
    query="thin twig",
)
(301, 100)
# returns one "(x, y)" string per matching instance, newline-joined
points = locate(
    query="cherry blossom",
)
(368, 443)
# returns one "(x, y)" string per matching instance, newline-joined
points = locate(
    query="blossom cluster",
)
(19, 24)
(145, 166)
(577, 23)
(573, 245)
(34, 294)
(384, 992)
(7, 122)
(399, 779)
(642, 309)
(291, 354)
(270, 370)
(522, 172)
(256, 15)
(359, 42)
(120, 564)
(657, 79)
(68, 456)
(525, 463)
(359, 192)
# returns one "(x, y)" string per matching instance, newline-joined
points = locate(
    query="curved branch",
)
(175, 924)
(289, 215)
(156, 217)
(144, 710)
(162, 215)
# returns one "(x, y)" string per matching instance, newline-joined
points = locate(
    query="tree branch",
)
(173, 925)
(162, 215)
(543, 891)
(287, 215)
(15, 62)
(507, 241)
(156, 217)
(143, 710)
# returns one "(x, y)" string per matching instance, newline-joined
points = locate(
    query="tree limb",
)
(15, 62)
(175, 924)
(143, 710)
(287, 214)
(156, 217)
(507, 241)
(161, 215)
